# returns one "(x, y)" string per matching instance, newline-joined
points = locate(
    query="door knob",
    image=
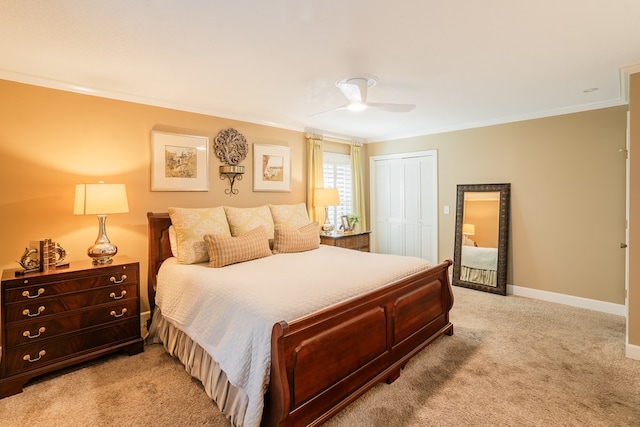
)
(623, 245)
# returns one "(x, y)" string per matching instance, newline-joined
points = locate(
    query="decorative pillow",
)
(242, 220)
(173, 241)
(191, 224)
(289, 239)
(225, 250)
(290, 215)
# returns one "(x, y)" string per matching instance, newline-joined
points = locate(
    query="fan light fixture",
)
(355, 90)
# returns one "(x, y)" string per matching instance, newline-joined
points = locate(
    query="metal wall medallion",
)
(231, 148)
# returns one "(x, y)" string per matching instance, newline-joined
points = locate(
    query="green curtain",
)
(315, 175)
(357, 185)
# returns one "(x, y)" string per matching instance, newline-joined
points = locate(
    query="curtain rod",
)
(341, 139)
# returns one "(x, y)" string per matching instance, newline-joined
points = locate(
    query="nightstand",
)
(66, 316)
(358, 241)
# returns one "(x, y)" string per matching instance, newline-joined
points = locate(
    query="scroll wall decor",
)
(231, 148)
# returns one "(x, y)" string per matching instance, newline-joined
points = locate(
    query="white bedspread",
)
(480, 258)
(230, 311)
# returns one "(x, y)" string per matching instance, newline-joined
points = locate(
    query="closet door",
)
(404, 205)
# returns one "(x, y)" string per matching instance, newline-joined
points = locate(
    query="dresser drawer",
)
(36, 289)
(48, 351)
(31, 331)
(42, 308)
(354, 242)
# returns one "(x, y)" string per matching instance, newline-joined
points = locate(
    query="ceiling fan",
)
(355, 90)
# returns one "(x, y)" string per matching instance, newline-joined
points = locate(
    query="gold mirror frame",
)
(503, 236)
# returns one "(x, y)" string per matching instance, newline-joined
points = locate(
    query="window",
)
(337, 174)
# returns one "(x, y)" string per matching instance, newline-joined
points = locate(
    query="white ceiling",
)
(464, 63)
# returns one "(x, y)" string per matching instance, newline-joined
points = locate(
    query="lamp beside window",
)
(325, 197)
(101, 199)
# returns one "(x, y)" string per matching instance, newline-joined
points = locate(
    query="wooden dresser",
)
(70, 315)
(358, 241)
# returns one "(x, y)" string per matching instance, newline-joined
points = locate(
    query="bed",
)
(318, 362)
(479, 265)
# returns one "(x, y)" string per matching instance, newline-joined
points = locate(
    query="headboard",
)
(159, 250)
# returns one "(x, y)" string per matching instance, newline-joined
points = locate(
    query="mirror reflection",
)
(481, 237)
(479, 256)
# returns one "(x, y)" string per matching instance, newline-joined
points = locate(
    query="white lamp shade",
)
(100, 199)
(326, 197)
(468, 229)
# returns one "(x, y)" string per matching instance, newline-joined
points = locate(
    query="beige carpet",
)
(511, 362)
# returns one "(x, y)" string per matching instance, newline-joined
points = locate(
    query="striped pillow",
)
(226, 250)
(290, 239)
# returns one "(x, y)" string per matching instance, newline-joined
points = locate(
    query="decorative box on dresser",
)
(51, 320)
(357, 240)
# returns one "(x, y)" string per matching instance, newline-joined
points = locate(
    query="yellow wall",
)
(51, 140)
(633, 320)
(567, 177)
(484, 214)
(567, 180)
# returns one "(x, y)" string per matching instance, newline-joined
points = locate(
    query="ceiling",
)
(463, 63)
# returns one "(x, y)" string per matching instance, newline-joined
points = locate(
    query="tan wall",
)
(484, 214)
(51, 140)
(567, 180)
(634, 213)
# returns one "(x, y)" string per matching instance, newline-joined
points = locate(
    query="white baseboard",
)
(591, 304)
(632, 351)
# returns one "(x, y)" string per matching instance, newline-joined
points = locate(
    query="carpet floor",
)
(512, 361)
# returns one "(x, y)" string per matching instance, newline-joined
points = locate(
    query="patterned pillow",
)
(191, 224)
(242, 220)
(289, 239)
(173, 241)
(290, 215)
(225, 250)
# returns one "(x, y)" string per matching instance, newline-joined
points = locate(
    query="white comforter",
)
(230, 311)
(480, 258)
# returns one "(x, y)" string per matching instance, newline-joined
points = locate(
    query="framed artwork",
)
(345, 223)
(271, 168)
(179, 162)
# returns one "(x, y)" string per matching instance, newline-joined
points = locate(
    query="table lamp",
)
(101, 199)
(325, 197)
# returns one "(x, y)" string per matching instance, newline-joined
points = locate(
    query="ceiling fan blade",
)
(392, 108)
(352, 90)
(342, 107)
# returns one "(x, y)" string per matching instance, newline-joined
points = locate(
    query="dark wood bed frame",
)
(322, 362)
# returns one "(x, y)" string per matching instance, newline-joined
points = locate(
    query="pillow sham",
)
(226, 250)
(289, 239)
(242, 220)
(173, 241)
(290, 215)
(191, 224)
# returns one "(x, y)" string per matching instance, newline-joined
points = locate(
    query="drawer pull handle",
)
(26, 294)
(114, 314)
(27, 312)
(28, 333)
(27, 357)
(114, 280)
(113, 295)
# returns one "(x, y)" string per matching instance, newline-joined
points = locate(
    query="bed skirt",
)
(231, 400)
(475, 275)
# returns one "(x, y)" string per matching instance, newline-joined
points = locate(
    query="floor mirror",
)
(481, 238)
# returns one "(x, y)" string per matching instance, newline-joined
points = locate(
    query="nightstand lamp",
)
(101, 199)
(325, 197)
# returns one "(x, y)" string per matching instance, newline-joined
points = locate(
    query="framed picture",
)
(179, 162)
(345, 223)
(271, 168)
